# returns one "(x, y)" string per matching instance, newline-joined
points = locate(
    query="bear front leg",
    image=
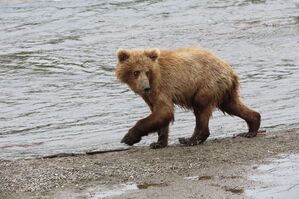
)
(159, 119)
(162, 139)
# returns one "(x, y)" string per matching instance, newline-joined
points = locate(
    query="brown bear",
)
(191, 78)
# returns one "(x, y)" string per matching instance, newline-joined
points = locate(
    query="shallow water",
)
(105, 191)
(98, 192)
(278, 179)
(58, 91)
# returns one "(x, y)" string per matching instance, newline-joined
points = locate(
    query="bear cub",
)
(192, 78)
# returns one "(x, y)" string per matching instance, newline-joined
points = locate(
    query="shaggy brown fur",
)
(189, 77)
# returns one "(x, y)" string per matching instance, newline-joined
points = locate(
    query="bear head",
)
(138, 68)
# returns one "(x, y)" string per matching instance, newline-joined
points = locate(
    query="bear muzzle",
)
(145, 86)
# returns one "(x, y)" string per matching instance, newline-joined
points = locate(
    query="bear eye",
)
(136, 73)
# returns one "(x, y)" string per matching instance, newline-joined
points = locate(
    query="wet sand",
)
(217, 169)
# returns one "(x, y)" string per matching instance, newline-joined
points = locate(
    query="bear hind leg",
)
(252, 118)
(162, 138)
(201, 131)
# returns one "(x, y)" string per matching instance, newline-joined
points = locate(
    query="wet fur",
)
(191, 78)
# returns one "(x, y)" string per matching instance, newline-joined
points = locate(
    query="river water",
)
(58, 92)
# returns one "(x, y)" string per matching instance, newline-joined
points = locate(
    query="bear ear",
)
(152, 53)
(122, 54)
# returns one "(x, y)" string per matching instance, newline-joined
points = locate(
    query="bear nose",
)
(147, 89)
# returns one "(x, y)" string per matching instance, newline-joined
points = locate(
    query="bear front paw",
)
(190, 141)
(157, 145)
(130, 139)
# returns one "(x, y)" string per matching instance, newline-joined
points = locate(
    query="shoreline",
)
(222, 165)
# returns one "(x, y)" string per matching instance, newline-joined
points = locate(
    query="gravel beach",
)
(216, 169)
